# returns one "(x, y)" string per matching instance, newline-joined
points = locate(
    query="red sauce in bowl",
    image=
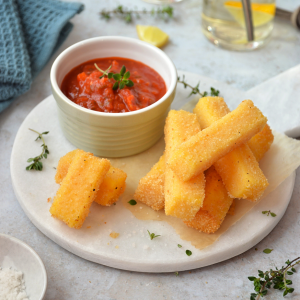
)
(84, 86)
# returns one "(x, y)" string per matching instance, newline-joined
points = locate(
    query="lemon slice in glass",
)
(262, 13)
(152, 35)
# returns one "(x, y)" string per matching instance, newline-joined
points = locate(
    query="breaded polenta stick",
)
(112, 187)
(79, 188)
(208, 218)
(206, 147)
(215, 206)
(238, 169)
(183, 199)
(64, 164)
(151, 187)
(261, 142)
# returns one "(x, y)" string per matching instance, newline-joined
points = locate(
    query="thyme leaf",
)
(152, 235)
(274, 278)
(196, 90)
(36, 163)
(126, 14)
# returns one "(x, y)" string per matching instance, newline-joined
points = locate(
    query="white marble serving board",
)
(132, 250)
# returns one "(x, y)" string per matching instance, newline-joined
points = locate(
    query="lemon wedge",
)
(262, 13)
(152, 35)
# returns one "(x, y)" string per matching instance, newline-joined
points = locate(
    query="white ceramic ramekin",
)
(113, 134)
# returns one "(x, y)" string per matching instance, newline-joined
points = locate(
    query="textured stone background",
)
(70, 277)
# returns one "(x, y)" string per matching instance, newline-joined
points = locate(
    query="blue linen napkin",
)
(30, 32)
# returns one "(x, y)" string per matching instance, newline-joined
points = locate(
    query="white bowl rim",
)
(57, 89)
(24, 245)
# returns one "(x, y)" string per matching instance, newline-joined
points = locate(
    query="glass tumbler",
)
(223, 23)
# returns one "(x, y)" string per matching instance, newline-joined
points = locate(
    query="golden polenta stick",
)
(112, 187)
(151, 187)
(238, 169)
(261, 142)
(183, 199)
(64, 164)
(206, 147)
(79, 188)
(215, 206)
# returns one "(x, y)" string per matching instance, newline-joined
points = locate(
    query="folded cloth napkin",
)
(30, 32)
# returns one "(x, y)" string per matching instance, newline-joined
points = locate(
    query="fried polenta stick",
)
(208, 219)
(64, 164)
(261, 142)
(151, 187)
(206, 147)
(238, 169)
(215, 206)
(79, 188)
(112, 187)
(183, 199)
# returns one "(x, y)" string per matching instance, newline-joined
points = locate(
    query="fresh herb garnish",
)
(36, 163)
(179, 246)
(152, 235)
(267, 251)
(120, 78)
(196, 90)
(268, 212)
(127, 15)
(274, 278)
(188, 252)
(132, 202)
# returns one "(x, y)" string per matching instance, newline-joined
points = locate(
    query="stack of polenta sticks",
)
(84, 179)
(202, 171)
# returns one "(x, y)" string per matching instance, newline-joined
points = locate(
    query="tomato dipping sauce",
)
(84, 86)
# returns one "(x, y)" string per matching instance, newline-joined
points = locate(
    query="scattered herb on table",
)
(36, 163)
(274, 278)
(267, 251)
(122, 78)
(268, 212)
(152, 235)
(196, 90)
(188, 252)
(165, 13)
(132, 202)
(176, 273)
(179, 246)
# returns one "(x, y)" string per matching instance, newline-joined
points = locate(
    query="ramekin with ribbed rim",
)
(113, 134)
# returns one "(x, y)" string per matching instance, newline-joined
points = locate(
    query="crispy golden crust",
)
(112, 187)
(79, 188)
(209, 145)
(182, 199)
(239, 168)
(261, 142)
(151, 187)
(215, 206)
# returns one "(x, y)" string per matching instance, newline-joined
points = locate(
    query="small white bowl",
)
(17, 255)
(113, 134)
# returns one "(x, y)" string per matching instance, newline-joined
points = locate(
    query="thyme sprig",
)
(274, 278)
(36, 163)
(165, 13)
(196, 90)
(152, 235)
(122, 78)
(268, 212)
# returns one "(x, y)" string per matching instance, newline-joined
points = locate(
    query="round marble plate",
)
(17, 255)
(132, 250)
